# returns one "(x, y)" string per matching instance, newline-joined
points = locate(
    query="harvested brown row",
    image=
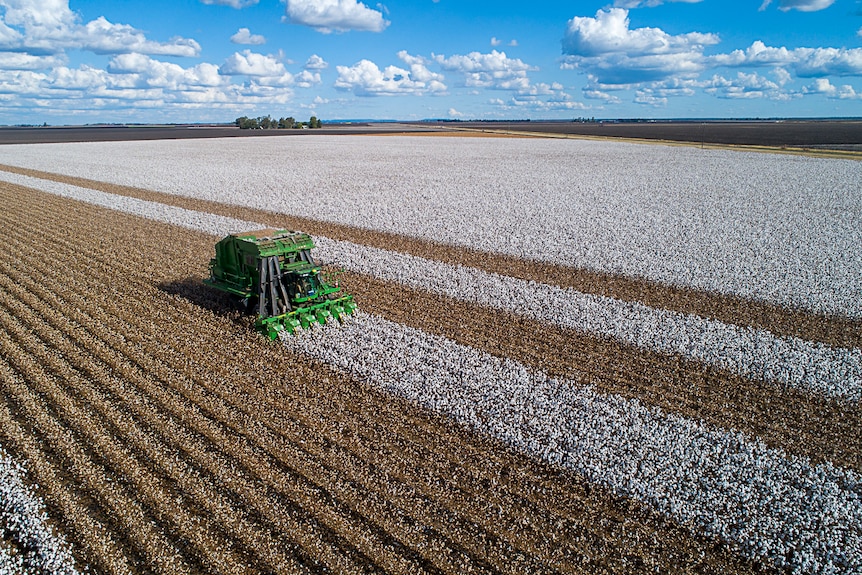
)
(27, 402)
(671, 542)
(131, 447)
(84, 523)
(833, 330)
(238, 453)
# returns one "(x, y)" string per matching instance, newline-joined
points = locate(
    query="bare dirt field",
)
(843, 135)
(52, 134)
(816, 134)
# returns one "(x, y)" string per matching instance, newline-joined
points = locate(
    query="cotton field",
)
(777, 228)
(585, 432)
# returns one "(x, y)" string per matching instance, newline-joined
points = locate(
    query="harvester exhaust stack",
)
(273, 271)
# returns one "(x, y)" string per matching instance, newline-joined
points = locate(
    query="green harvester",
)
(272, 271)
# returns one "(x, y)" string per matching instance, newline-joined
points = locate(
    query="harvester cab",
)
(272, 271)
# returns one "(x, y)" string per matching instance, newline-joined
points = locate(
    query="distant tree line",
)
(268, 123)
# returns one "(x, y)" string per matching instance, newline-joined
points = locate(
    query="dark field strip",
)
(234, 456)
(817, 134)
(832, 330)
(828, 134)
(52, 134)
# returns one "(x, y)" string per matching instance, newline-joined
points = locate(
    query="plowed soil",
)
(166, 436)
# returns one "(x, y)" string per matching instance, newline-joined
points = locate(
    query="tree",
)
(269, 123)
(246, 123)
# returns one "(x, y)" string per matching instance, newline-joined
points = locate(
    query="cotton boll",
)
(24, 520)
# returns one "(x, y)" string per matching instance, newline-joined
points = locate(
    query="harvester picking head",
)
(272, 272)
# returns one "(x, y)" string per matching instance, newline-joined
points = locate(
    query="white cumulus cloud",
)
(365, 78)
(491, 70)
(335, 15)
(265, 69)
(805, 62)
(821, 86)
(244, 36)
(592, 93)
(104, 37)
(648, 98)
(847, 92)
(232, 3)
(606, 47)
(825, 87)
(150, 72)
(497, 71)
(307, 79)
(39, 14)
(801, 5)
(745, 86)
(20, 61)
(49, 26)
(609, 32)
(315, 62)
(82, 78)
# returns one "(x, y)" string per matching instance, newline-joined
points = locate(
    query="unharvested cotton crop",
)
(23, 521)
(783, 229)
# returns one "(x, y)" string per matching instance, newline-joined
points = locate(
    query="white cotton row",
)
(770, 505)
(749, 352)
(190, 219)
(768, 227)
(23, 521)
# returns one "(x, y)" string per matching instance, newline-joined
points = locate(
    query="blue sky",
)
(84, 61)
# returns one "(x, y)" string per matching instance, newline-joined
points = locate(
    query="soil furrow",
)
(833, 330)
(132, 460)
(71, 509)
(94, 477)
(180, 479)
